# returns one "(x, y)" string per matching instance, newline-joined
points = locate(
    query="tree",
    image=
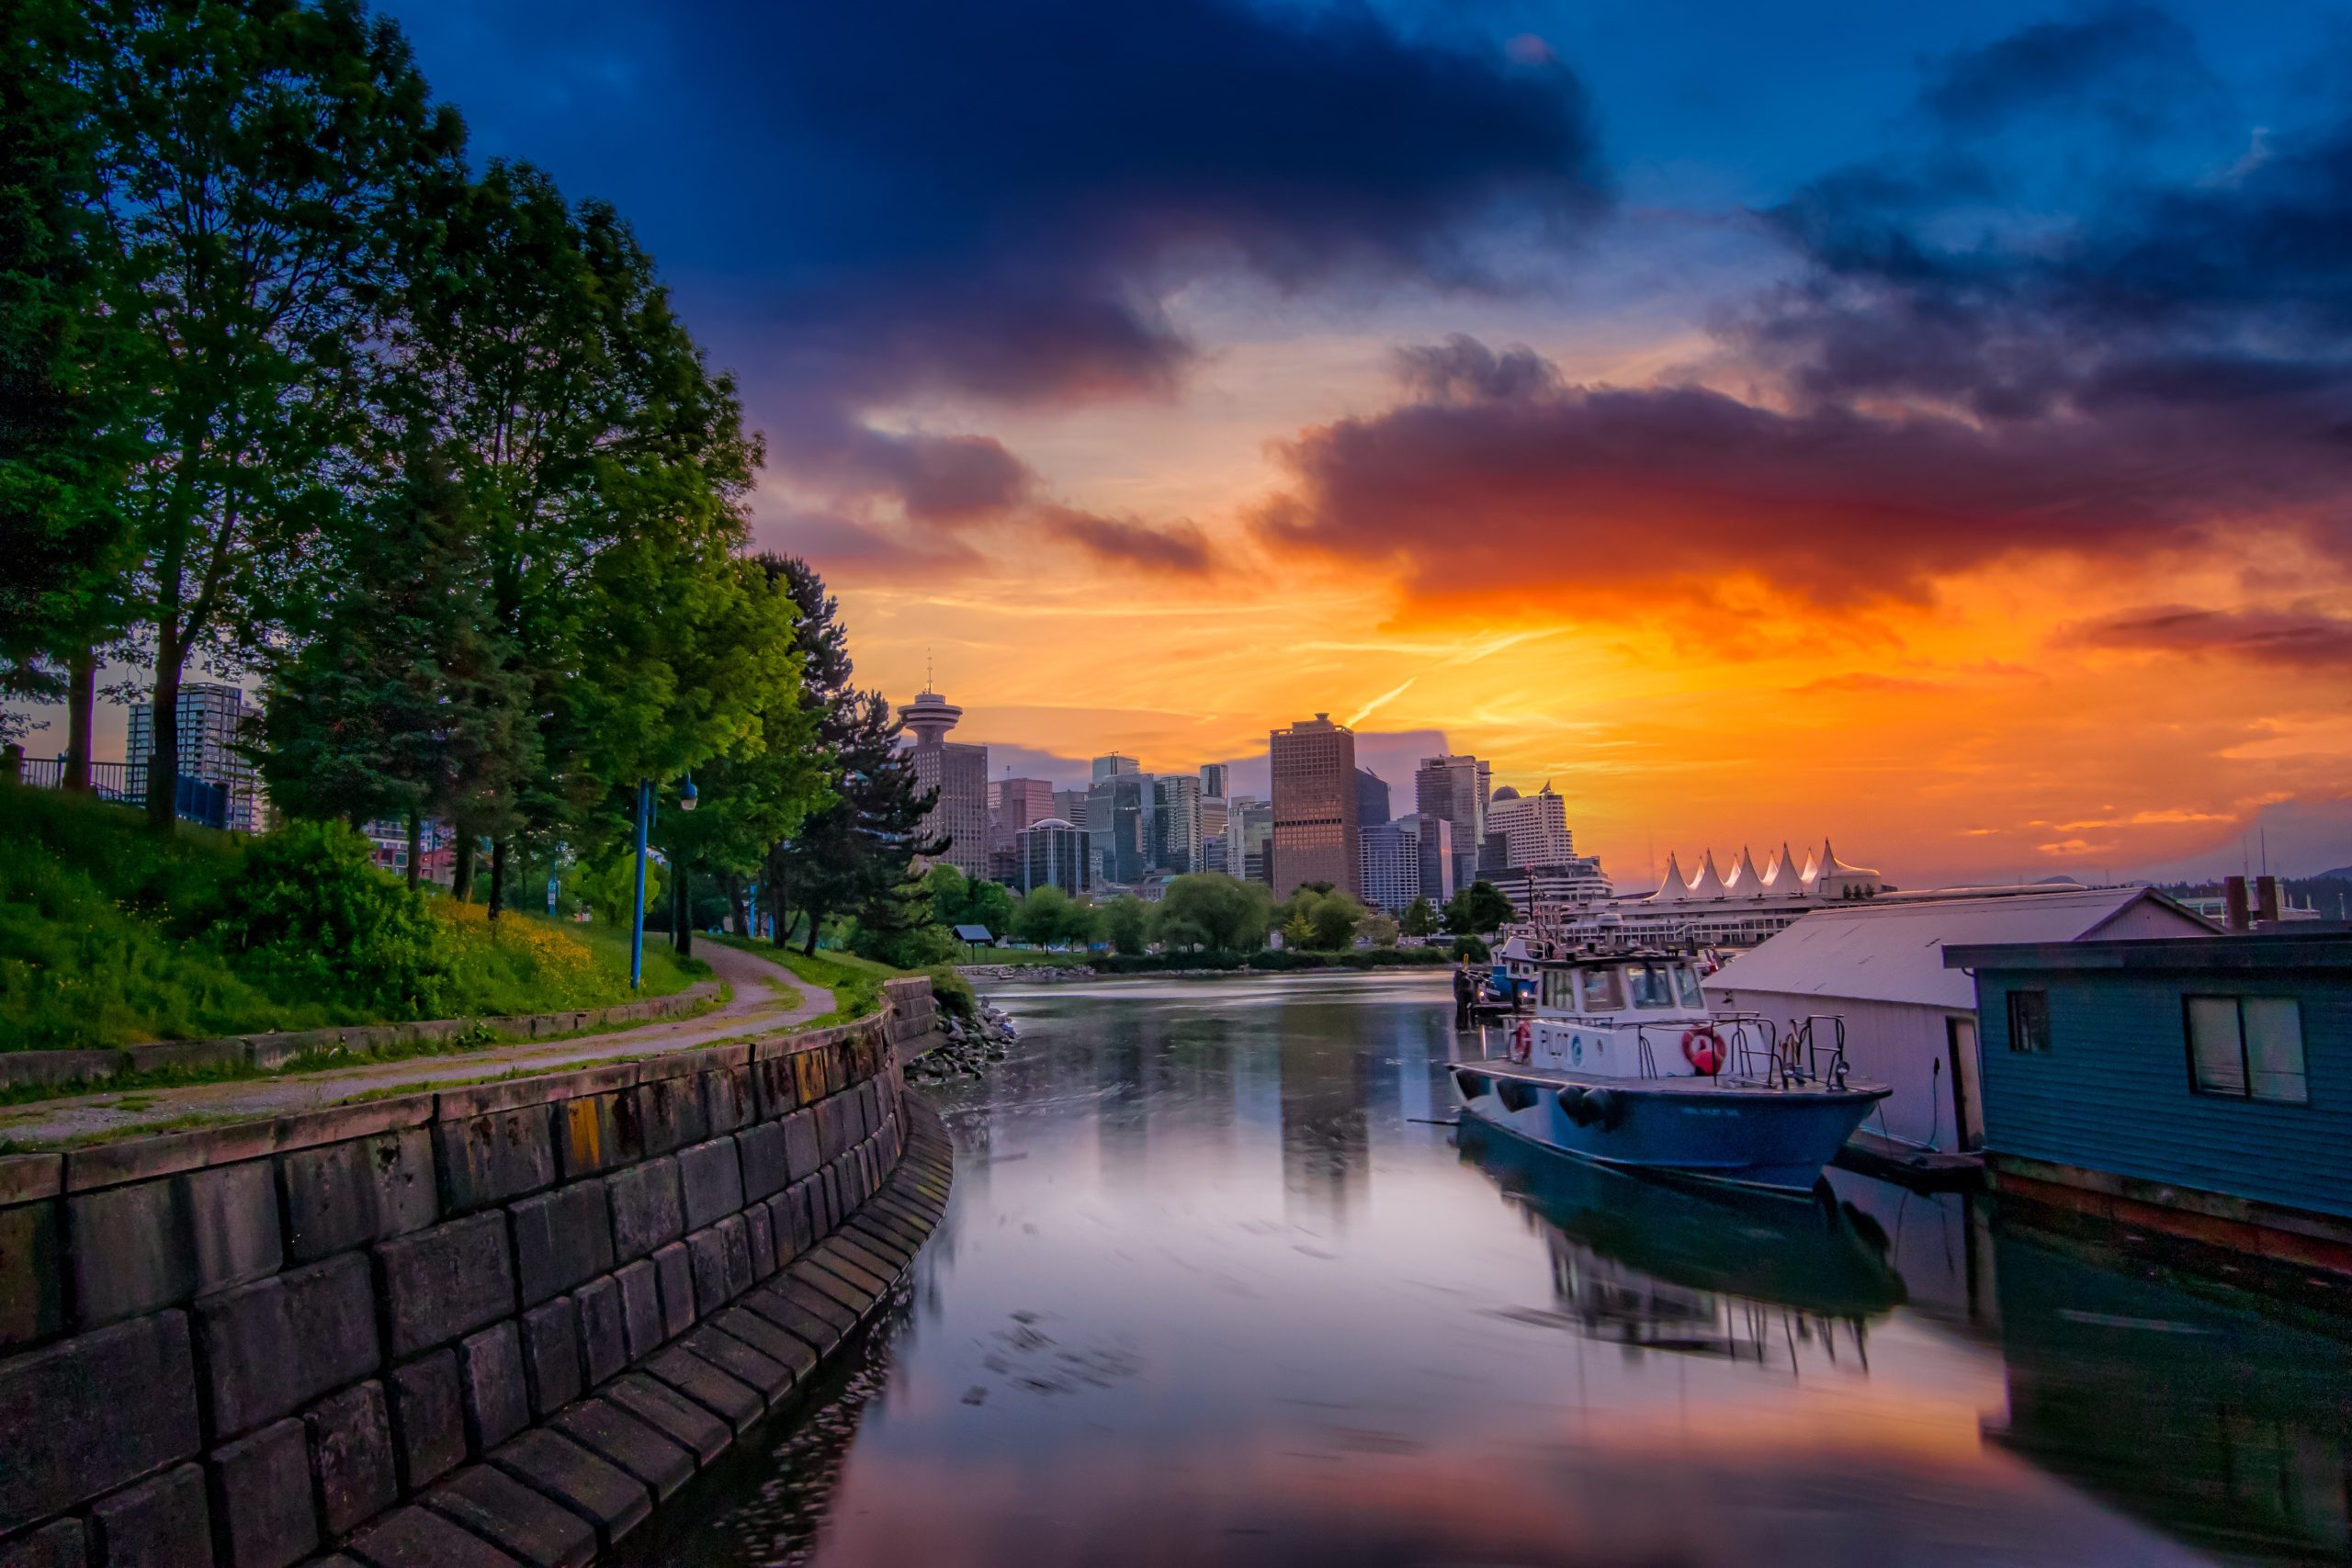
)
(257, 160)
(1042, 915)
(68, 422)
(991, 905)
(1210, 909)
(949, 892)
(1420, 918)
(1334, 919)
(403, 699)
(1126, 923)
(1478, 909)
(1380, 931)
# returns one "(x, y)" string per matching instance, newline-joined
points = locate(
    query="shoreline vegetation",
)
(111, 935)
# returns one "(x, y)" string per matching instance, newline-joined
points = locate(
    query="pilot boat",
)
(1621, 1061)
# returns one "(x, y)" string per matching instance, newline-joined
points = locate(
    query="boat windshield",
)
(1688, 984)
(1652, 984)
(1603, 991)
(1560, 990)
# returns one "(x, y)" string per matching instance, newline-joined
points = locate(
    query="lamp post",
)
(637, 904)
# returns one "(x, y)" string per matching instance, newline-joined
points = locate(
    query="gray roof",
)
(1892, 951)
(973, 934)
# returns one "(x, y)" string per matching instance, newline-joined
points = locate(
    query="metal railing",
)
(196, 800)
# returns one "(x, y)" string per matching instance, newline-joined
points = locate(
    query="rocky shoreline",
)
(966, 1049)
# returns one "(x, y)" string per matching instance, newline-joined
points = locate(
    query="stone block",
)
(761, 1233)
(675, 1270)
(515, 1518)
(428, 1418)
(32, 1274)
(670, 1112)
(595, 1133)
(800, 1209)
(603, 1338)
(795, 1319)
(587, 1484)
(809, 1075)
(347, 1194)
(561, 1239)
(490, 1159)
(832, 1127)
(643, 1327)
(802, 1156)
(765, 1170)
(624, 1441)
(495, 1396)
(130, 1251)
(707, 1254)
(728, 1099)
(647, 1211)
(352, 1469)
(160, 1523)
(86, 1414)
(419, 1537)
(732, 1401)
(772, 1378)
(261, 1502)
(551, 1355)
(676, 1417)
(64, 1544)
(735, 1239)
(772, 1087)
(231, 1215)
(268, 1347)
(444, 1281)
(784, 1349)
(712, 1179)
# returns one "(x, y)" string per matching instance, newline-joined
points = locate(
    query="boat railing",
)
(1750, 1043)
(1807, 1059)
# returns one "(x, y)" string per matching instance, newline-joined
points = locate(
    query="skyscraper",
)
(1454, 787)
(1176, 823)
(1316, 821)
(1408, 858)
(1054, 853)
(1534, 828)
(1372, 798)
(1249, 838)
(1213, 775)
(1120, 809)
(960, 774)
(211, 722)
(1113, 765)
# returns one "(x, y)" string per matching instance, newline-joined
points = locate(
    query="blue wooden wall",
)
(2113, 1094)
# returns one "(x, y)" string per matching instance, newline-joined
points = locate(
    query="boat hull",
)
(1774, 1139)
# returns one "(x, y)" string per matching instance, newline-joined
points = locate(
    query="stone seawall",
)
(486, 1324)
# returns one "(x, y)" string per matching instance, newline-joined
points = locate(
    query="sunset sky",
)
(1927, 426)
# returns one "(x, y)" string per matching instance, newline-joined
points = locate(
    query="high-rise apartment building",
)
(1015, 804)
(960, 774)
(1176, 823)
(1408, 858)
(212, 716)
(1213, 780)
(1121, 809)
(1316, 821)
(1113, 765)
(1372, 798)
(1534, 828)
(1455, 788)
(1069, 804)
(1249, 838)
(1055, 853)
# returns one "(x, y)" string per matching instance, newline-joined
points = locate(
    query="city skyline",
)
(1590, 438)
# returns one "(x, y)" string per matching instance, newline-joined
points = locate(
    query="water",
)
(1214, 1290)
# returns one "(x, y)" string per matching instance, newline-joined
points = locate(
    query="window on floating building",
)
(2246, 1048)
(2029, 1021)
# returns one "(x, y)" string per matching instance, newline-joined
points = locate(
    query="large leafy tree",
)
(1478, 909)
(69, 414)
(258, 162)
(1210, 909)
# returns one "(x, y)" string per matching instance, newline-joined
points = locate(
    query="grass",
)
(856, 983)
(107, 937)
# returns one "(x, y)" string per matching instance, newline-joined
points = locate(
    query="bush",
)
(954, 993)
(309, 914)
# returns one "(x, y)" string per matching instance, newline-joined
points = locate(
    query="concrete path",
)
(766, 1000)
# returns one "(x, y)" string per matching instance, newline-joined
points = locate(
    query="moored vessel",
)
(1620, 1061)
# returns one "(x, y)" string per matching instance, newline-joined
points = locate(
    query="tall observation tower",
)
(930, 716)
(960, 775)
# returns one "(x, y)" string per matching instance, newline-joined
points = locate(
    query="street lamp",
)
(686, 800)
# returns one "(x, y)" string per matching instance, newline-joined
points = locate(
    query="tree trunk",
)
(814, 915)
(682, 913)
(81, 706)
(497, 877)
(416, 848)
(737, 904)
(461, 869)
(164, 760)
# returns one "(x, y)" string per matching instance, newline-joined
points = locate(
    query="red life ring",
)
(1522, 1042)
(1703, 1049)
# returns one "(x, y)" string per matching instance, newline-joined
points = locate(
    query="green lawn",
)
(111, 935)
(855, 983)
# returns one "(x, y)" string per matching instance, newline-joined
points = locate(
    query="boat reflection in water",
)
(1700, 1271)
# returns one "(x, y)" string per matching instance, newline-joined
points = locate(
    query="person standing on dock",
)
(1465, 991)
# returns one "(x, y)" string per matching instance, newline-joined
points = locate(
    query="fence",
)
(196, 800)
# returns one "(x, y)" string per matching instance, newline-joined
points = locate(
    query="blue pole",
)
(637, 904)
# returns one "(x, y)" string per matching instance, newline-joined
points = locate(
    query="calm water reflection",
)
(1214, 1290)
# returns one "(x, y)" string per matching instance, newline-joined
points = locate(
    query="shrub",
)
(309, 914)
(954, 993)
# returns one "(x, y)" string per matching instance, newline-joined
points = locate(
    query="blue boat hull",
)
(1777, 1139)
